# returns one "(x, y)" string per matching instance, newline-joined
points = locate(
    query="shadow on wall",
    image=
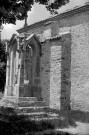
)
(65, 71)
(78, 115)
(45, 71)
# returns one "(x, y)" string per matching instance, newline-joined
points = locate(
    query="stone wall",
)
(79, 97)
(55, 74)
(80, 67)
(78, 25)
(69, 55)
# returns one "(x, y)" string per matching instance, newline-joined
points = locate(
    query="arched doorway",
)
(32, 86)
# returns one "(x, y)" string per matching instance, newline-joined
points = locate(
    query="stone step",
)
(39, 114)
(27, 99)
(51, 110)
(31, 103)
(18, 99)
(38, 109)
(44, 118)
(32, 109)
(54, 121)
(34, 114)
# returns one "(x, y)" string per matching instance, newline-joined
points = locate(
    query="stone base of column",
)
(8, 91)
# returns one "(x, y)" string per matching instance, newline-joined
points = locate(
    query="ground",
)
(80, 129)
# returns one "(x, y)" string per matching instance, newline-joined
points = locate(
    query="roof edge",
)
(60, 16)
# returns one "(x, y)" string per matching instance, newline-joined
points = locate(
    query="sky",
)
(37, 13)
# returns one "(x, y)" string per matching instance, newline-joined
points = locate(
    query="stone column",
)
(21, 75)
(11, 74)
(14, 72)
(25, 74)
(25, 71)
(16, 75)
(7, 71)
(18, 65)
(7, 75)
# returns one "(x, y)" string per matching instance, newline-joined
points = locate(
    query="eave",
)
(59, 16)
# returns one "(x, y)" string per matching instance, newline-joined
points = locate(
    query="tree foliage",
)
(12, 10)
(2, 66)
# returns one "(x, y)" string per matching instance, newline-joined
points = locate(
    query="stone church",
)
(50, 61)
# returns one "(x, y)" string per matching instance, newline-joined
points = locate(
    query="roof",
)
(68, 13)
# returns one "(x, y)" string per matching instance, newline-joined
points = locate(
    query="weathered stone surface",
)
(45, 71)
(55, 76)
(64, 63)
(80, 67)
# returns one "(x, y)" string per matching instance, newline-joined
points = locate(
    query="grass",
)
(13, 124)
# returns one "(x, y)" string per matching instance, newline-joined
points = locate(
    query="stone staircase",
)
(33, 109)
